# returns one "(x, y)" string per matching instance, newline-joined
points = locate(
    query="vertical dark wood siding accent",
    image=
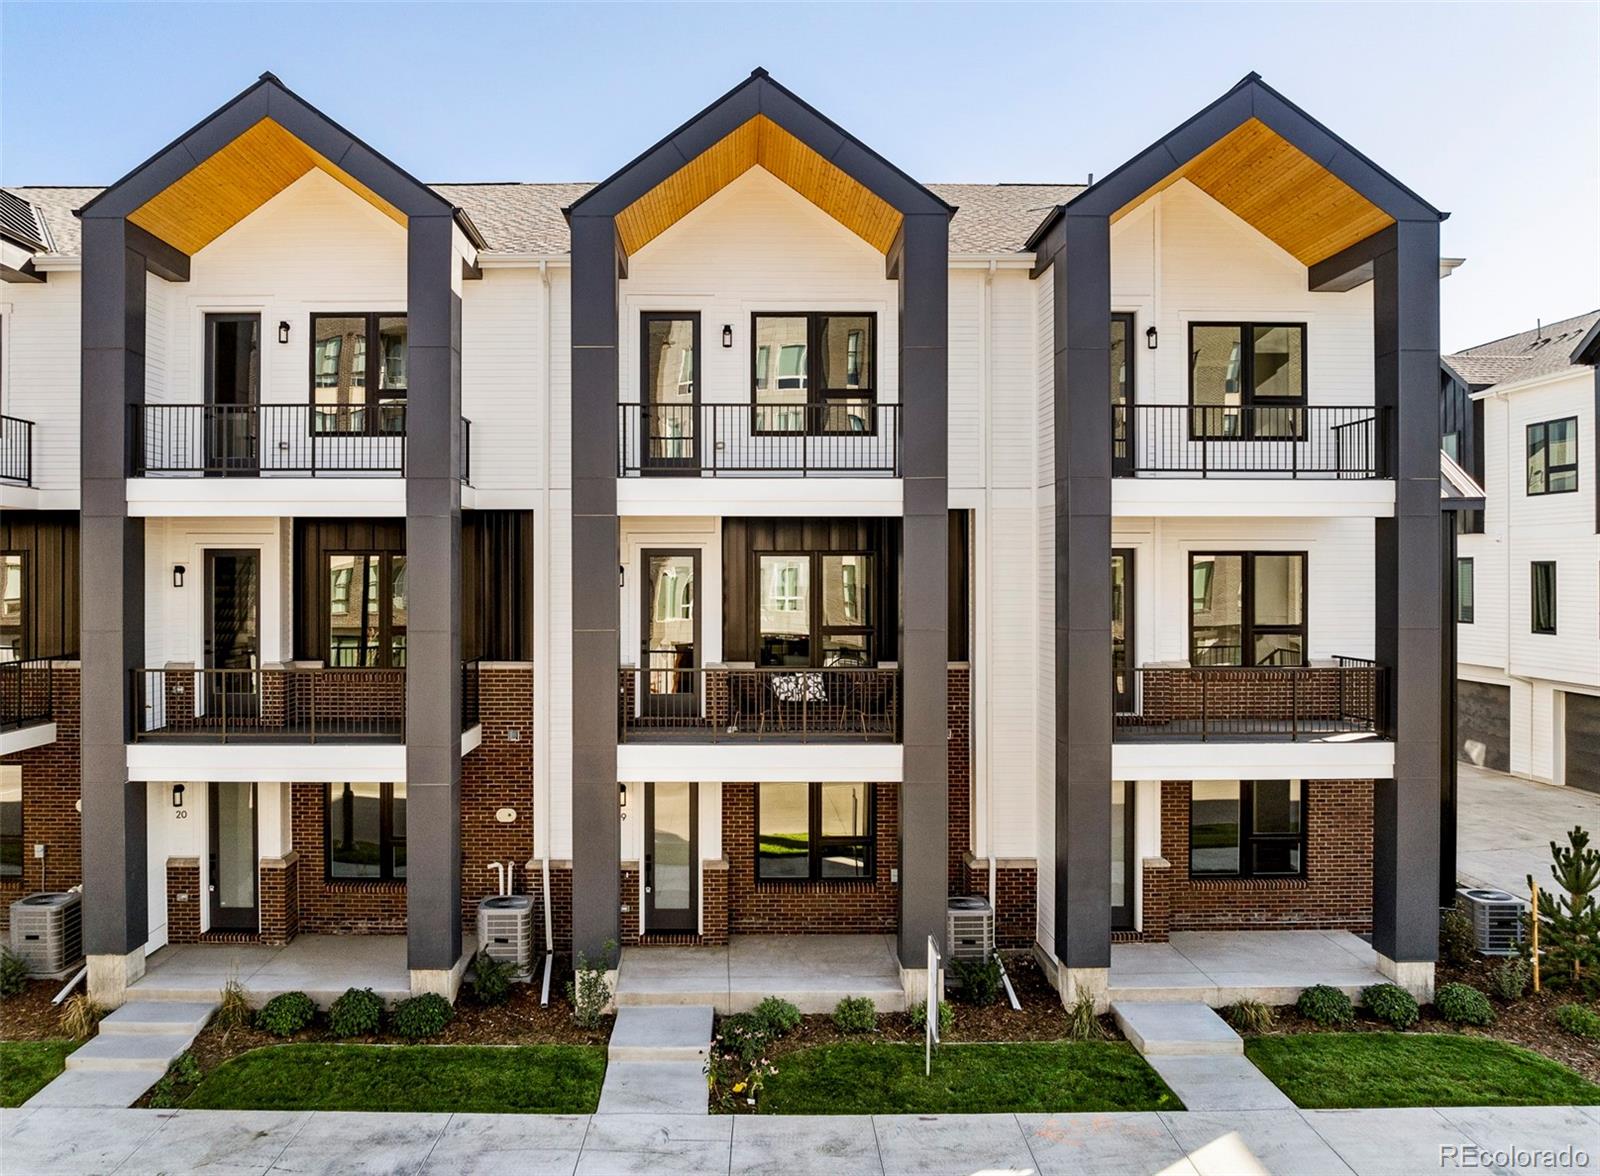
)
(960, 549)
(314, 539)
(48, 540)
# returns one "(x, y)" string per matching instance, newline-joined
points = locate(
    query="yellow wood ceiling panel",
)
(1280, 191)
(238, 179)
(759, 142)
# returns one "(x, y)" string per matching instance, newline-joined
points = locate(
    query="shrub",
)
(1324, 1005)
(13, 973)
(919, 1016)
(176, 1084)
(80, 1015)
(286, 1014)
(1391, 1003)
(1579, 1021)
(589, 991)
(777, 1015)
(979, 979)
(233, 1006)
(491, 979)
(1462, 1004)
(1251, 1016)
(356, 1013)
(1457, 942)
(1083, 1023)
(856, 1014)
(421, 1016)
(1510, 980)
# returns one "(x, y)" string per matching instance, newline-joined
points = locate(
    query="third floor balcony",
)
(846, 438)
(1329, 442)
(1341, 698)
(730, 704)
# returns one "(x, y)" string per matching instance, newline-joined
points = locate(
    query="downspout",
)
(541, 661)
(986, 371)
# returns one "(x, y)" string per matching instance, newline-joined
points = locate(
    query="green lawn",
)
(1413, 1070)
(882, 1079)
(527, 1079)
(25, 1066)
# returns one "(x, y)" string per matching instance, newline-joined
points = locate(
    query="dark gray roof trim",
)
(1588, 348)
(1250, 98)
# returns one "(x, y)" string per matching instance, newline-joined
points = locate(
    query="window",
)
(13, 606)
(10, 821)
(1247, 608)
(366, 832)
(814, 373)
(1247, 381)
(1464, 591)
(1553, 456)
(835, 626)
(1544, 596)
(1121, 386)
(1247, 829)
(358, 373)
(814, 832)
(366, 609)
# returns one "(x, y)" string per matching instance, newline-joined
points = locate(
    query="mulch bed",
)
(29, 1016)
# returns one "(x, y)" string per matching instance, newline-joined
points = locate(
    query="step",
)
(653, 1088)
(661, 1033)
(130, 1051)
(148, 1016)
(94, 1088)
(1175, 1028)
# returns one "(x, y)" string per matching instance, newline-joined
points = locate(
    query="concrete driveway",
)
(1505, 826)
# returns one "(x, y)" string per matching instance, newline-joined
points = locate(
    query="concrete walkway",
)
(129, 1055)
(1505, 826)
(813, 971)
(1198, 1055)
(655, 1062)
(1220, 967)
(62, 1142)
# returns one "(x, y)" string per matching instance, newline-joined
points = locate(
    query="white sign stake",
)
(930, 1032)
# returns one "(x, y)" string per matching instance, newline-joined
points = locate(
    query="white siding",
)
(39, 373)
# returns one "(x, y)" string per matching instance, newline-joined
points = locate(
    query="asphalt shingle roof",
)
(1537, 352)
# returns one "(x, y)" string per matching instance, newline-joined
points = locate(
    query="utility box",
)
(1496, 919)
(969, 927)
(47, 932)
(505, 929)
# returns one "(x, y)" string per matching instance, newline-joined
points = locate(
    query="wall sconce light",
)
(177, 796)
(727, 334)
(177, 575)
(1150, 338)
(622, 794)
(283, 330)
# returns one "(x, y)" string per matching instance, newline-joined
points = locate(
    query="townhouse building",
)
(1521, 414)
(757, 542)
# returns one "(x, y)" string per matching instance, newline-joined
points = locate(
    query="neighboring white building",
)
(1528, 637)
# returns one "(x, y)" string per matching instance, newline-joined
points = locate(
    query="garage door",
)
(1483, 725)
(1583, 742)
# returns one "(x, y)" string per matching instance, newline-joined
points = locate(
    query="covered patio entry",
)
(813, 971)
(1220, 967)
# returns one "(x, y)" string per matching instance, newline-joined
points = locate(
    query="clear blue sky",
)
(1488, 110)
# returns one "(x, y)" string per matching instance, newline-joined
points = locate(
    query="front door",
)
(670, 368)
(1122, 399)
(233, 643)
(671, 851)
(1122, 676)
(233, 394)
(1122, 859)
(233, 857)
(671, 634)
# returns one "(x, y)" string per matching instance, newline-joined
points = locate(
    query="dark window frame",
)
(372, 419)
(25, 597)
(1248, 629)
(1249, 837)
(1534, 569)
(1550, 469)
(1466, 602)
(387, 838)
(15, 842)
(817, 395)
(385, 561)
(817, 629)
(817, 846)
(1199, 413)
(647, 403)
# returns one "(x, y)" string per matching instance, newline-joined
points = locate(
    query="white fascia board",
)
(1528, 384)
(720, 762)
(1358, 759)
(301, 763)
(265, 497)
(522, 260)
(762, 497)
(963, 261)
(27, 738)
(1156, 497)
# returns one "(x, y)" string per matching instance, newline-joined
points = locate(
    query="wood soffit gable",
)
(759, 142)
(235, 181)
(1279, 190)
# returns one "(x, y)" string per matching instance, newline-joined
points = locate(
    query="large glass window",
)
(10, 821)
(1544, 597)
(358, 373)
(834, 626)
(1553, 456)
(1247, 608)
(814, 373)
(366, 609)
(1247, 829)
(671, 374)
(1247, 380)
(13, 604)
(366, 832)
(814, 832)
(1464, 591)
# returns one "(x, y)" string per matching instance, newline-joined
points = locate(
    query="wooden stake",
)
(1534, 934)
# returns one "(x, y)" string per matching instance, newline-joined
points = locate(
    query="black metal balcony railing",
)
(846, 438)
(276, 440)
(27, 692)
(291, 705)
(16, 451)
(470, 677)
(1254, 703)
(798, 705)
(1331, 442)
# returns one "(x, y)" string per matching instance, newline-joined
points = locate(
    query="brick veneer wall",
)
(628, 899)
(816, 908)
(183, 900)
(50, 789)
(560, 903)
(338, 908)
(714, 902)
(1016, 897)
(959, 756)
(498, 775)
(280, 899)
(1336, 892)
(1155, 902)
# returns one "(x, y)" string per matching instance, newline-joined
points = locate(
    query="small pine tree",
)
(1569, 925)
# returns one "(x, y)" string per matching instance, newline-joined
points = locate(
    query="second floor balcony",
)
(1292, 441)
(27, 692)
(1344, 697)
(851, 438)
(16, 451)
(748, 704)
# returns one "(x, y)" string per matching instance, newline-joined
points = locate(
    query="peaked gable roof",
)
(1539, 351)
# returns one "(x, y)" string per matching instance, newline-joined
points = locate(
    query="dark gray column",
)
(1081, 284)
(111, 639)
(596, 820)
(1409, 583)
(433, 598)
(924, 294)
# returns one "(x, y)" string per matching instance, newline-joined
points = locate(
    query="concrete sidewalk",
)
(55, 1141)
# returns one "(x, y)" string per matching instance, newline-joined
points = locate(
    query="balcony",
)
(847, 439)
(1335, 442)
(288, 705)
(276, 441)
(749, 705)
(1342, 698)
(16, 451)
(27, 692)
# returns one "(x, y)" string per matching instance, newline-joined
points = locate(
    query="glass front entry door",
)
(671, 852)
(233, 394)
(233, 857)
(670, 367)
(1122, 678)
(671, 628)
(233, 628)
(1122, 857)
